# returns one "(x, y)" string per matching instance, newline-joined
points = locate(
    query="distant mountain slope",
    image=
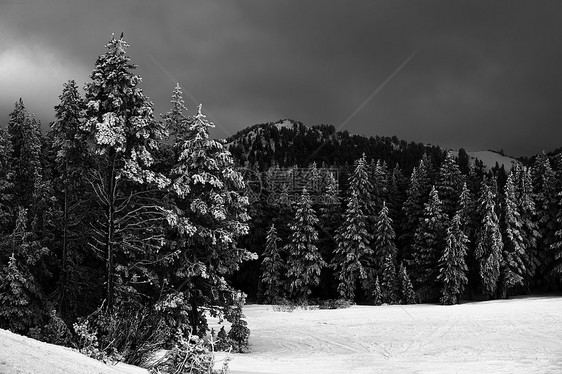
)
(490, 159)
(288, 142)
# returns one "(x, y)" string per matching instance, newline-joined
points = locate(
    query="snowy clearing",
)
(521, 335)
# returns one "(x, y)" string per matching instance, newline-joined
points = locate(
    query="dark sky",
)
(473, 74)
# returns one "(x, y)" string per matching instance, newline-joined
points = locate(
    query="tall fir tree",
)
(330, 220)
(413, 208)
(304, 262)
(527, 211)
(407, 293)
(544, 195)
(359, 182)
(389, 286)
(384, 239)
(207, 217)
(378, 176)
(489, 245)
(429, 242)
(514, 255)
(377, 292)
(449, 184)
(452, 265)
(353, 254)
(556, 246)
(25, 138)
(70, 148)
(22, 278)
(6, 184)
(271, 267)
(469, 224)
(122, 136)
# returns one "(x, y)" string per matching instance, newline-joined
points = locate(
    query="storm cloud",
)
(484, 75)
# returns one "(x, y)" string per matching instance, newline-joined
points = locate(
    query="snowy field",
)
(522, 335)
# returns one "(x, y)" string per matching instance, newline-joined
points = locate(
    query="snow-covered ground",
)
(21, 355)
(520, 335)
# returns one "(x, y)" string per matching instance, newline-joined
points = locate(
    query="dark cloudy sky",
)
(479, 74)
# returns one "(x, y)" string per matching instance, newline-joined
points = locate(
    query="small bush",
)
(334, 304)
(189, 355)
(284, 305)
(55, 331)
(222, 341)
(239, 334)
(87, 340)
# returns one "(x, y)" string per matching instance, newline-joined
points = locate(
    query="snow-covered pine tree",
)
(556, 246)
(452, 266)
(449, 183)
(377, 292)
(271, 267)
(304, 262)
(378, 176)
(469, 222)
(397, 186)
(23, 300)
(544, 195)
(514, 252)
(122, 137)
(389, 286)
(353, 253)
(527, 212)
(359, 182)
(207, 217)
(6, 184)
(429, 242)
(330, 220)
(25, 138)
(383, 240)
(489, 245)
(70, 148)
(176, 119)
(407, 293)
(413, 208)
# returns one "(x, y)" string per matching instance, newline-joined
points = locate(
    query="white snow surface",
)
(284, 124)
(22, 355)
(519, 335)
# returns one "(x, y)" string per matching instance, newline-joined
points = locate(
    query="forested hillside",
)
(399, 218)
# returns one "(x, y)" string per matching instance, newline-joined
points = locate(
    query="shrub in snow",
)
(189, 355)
(334, 304)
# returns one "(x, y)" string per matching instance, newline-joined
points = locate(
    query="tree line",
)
(438, 235)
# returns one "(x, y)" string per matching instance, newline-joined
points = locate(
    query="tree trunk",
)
(110, 240)
(64, 275)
